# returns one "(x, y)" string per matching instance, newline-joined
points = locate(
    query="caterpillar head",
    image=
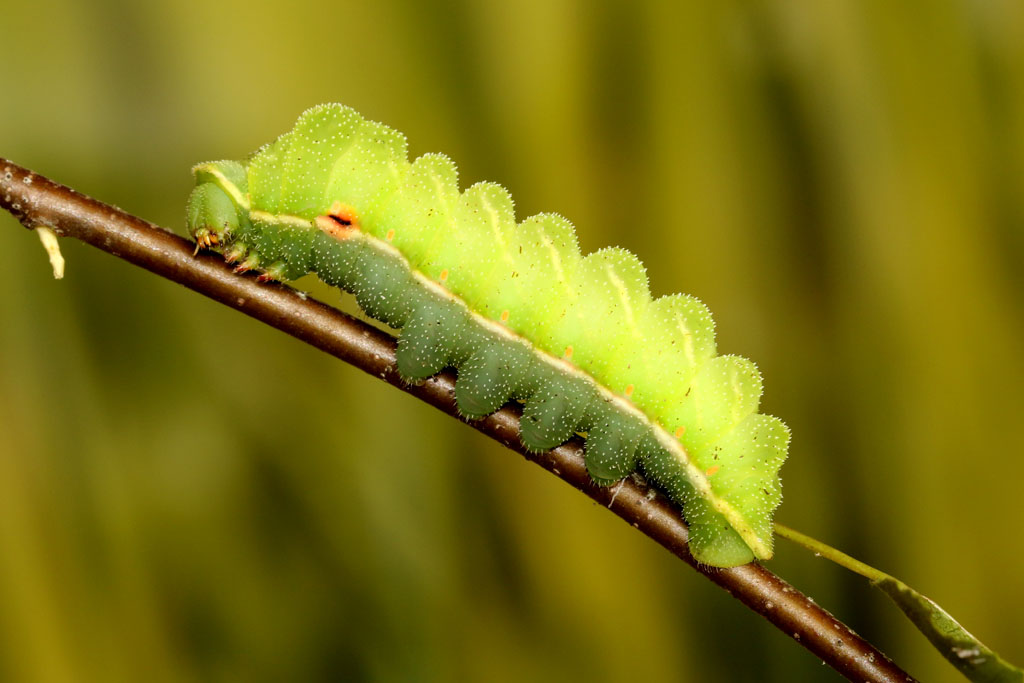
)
(217, 204)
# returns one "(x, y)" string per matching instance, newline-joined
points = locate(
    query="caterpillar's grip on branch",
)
(516, 309)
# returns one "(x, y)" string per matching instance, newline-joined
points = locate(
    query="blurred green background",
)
(186, 494)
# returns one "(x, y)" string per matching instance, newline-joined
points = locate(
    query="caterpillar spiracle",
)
(515, 309)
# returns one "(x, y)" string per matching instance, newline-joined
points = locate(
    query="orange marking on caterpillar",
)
(713, 469)
(629, 390)
(332, 227)
(345, 214)
(444, 275)
(504, 316)
(680, 432)
(390, 236)
(339, 221)
(568, 352)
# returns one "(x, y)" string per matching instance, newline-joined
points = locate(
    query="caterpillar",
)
(516, 309)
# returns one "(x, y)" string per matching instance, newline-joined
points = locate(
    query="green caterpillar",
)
(516, 309)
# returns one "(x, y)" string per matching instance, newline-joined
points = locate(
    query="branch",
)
(39, 202)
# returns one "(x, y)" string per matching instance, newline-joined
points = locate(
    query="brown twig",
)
(37, 201)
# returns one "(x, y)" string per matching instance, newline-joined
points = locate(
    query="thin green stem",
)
(969, 655)
(828, 552)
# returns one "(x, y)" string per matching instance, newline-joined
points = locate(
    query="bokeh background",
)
(187, 495)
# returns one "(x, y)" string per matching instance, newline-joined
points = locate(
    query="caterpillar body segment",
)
(516, 309)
